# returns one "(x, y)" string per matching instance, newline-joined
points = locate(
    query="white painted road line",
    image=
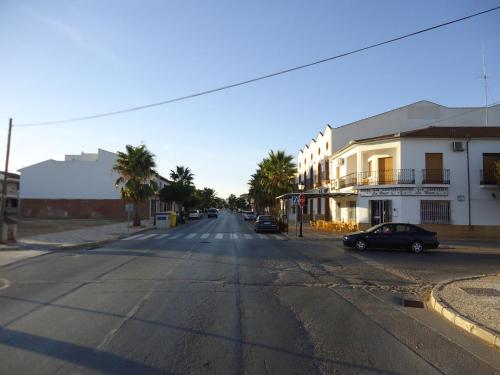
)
(147, 236)
(262, 236)
(277, 237)
(248, 236)
(162, 236)
(204, 236)
(192, 235)
(219, 236)
(132, 237)
(176, 236)
(234, 236)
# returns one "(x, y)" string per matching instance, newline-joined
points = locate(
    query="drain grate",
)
(482, 292)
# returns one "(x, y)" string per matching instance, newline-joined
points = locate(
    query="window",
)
(370, 168)
(351, 211)
(488, 175)
(435, 212)
(305, 161)
(327, 145)
(402, 228)
(311, 156)
(319, 206)
(319, 151)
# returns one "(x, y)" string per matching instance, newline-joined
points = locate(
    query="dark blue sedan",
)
(265, 223)
(393, 236)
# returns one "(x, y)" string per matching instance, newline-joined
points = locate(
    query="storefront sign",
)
(421, 190)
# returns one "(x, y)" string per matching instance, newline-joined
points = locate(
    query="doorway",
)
(385, 171)
(433, 168)
(380, 211)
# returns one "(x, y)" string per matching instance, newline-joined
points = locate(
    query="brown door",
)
(385, 171)
(327, 208)
(434, 168)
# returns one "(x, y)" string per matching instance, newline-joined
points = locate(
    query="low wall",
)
(78, 209)
(457, 231)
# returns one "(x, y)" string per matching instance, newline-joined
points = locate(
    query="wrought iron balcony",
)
(387, 177)
(436, 176)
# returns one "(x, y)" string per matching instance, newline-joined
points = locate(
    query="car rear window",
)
(265, 218)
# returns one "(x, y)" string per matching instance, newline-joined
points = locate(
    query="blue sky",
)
(62, 59)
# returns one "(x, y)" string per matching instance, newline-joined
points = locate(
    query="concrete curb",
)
(461, 321)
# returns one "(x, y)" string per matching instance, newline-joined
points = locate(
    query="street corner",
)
(472, 304)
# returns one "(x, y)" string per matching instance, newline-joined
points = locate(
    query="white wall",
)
(72, 179)
(485, 209)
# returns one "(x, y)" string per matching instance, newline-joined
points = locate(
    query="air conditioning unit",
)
(340, 161)
(335, 184)
(458, 146)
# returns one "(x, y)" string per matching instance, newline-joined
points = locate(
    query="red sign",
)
(302, 200)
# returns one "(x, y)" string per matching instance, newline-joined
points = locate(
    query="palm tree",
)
(182, 175)
(274, 177)
(136, 169)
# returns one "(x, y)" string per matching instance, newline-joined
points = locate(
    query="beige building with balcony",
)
(423, 163)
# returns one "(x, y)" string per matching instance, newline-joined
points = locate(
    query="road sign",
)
(129, 207)
(302, 200)
(295, 200)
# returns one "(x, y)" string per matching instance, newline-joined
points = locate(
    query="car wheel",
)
(417, 247)
(360, 245)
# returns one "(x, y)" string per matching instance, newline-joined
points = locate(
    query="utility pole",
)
(4, 186)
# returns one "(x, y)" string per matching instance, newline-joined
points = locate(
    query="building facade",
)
(423, 164)
(80, 186)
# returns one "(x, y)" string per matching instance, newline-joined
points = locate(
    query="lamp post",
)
(301, 189)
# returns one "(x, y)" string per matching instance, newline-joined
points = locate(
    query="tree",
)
(136, 169)
(180, 188)
(207, 197)
(275, 176)
(231, 201)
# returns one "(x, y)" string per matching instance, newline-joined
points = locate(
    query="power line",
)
(260, 78)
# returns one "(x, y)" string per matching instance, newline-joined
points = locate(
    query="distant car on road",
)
(195, 214)
(249, 216)
(265, 223)
(393, 236)
(212, 212)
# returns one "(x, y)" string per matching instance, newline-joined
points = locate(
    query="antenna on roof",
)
(485, 79)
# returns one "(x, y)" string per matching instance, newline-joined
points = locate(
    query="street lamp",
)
(301, 189)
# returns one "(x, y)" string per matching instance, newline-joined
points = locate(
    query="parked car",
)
(249, 216)
(212, 212)
(265, 223)
(195, 214)
(393, 236)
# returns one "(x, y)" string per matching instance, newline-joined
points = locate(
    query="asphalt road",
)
(213, 297)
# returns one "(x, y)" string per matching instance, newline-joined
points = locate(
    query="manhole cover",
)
(482, 292)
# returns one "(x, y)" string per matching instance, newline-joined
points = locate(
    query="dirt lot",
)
(32, 227)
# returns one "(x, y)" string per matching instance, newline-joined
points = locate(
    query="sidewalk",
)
(28, 247)
(473, 304)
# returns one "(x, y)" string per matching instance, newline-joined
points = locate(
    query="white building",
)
(80, 186)
(423, 164)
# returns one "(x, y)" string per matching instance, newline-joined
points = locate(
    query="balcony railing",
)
(348, 180)
(387, 177)
(488, 177)
(436, 176)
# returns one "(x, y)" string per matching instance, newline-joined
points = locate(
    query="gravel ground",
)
(476, 299)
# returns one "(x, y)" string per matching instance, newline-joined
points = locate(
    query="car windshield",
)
(212, 210)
